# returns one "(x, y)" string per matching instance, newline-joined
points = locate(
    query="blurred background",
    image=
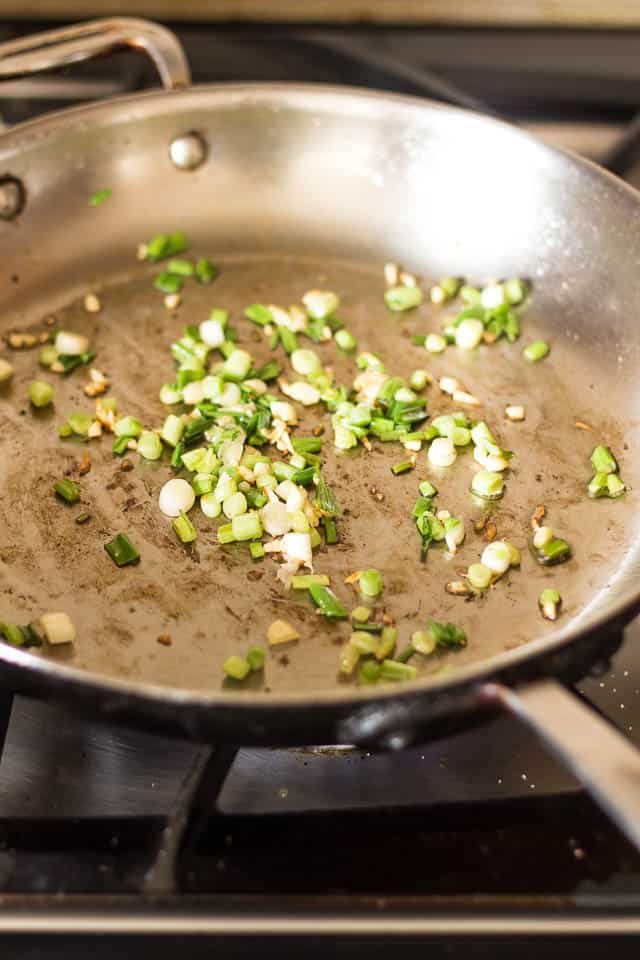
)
(569, 70)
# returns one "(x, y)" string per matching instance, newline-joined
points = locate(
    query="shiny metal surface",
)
(52, 49)
(306, 183)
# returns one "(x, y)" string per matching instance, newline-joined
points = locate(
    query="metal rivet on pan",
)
(188, 151)
(12, 197)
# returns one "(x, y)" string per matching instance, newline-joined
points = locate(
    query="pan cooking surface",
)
(212, 600)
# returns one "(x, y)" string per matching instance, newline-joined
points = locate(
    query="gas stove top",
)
(478, 843)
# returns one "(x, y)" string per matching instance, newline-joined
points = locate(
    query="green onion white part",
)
(320, 304)
(469, 333)
(442, 452)
(497, 557)
(542, 536)
(57, 628)
(435, 343)
(71, 344)
(176, 496)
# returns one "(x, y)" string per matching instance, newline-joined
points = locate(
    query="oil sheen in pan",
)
(213, 600)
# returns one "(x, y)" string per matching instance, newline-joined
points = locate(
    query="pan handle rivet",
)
(12, 197)
(188, 151)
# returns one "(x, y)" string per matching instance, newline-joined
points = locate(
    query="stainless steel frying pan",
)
(288, 187)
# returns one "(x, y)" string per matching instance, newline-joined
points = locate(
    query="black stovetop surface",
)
(479, 842)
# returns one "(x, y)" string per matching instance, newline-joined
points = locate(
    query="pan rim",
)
(61, 123)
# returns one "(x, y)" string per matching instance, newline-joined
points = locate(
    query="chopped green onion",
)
(225, 533)
(181, 268)
(615, 486)
(184, 529)
(168, 282)
(405, 655)
(304, 478)
(206, 271)
(247, 526)
(305, 362)
(67, 490)
(40, 393)
(360, 614)
(536, 351)
(404, 467)
(598, 486)
(447, 634)
(399, 299)
(259, 314)
(345, 341)
(12, 634)
(83, 517)
(479, 576)
(172, 430)
(514, 290)
(387, 643)
(418, 380)
(80, 423)
(306, 580)
(418, 340)
(487, 485)
(369, 672)
(256, 549)
(327, 602)
(99, 197)
(288, 339)
(149, 445)
(127, 427)
(69, 361)
(424, 642)
(603, 460)
(349, 656)
(122, 551)
(320, 304)
(435, 343)
(202, 484)
(237, 365)
(256, 656)
(237, 668)
(330, 530)
(166, 245)
(47, 356)
(307, 444)
(365, 643)
(370, 583)
(450, 286)
(270, 371)
(552, 552)
(549, 602)
(470, 295)
(120, 446)
(234, 506)
(327, 501)
(427, 489)
(395, 671)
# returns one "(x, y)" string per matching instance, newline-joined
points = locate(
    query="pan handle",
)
(601, 757)
(57, 48)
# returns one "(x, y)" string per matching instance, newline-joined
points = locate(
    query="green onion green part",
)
(327, 602)
(603, 460)
(399, 299)
(99, 197)
(67, 490)
(185, 530)
(40, 393)
(122, 551)
(236, 668)
(536, 351)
